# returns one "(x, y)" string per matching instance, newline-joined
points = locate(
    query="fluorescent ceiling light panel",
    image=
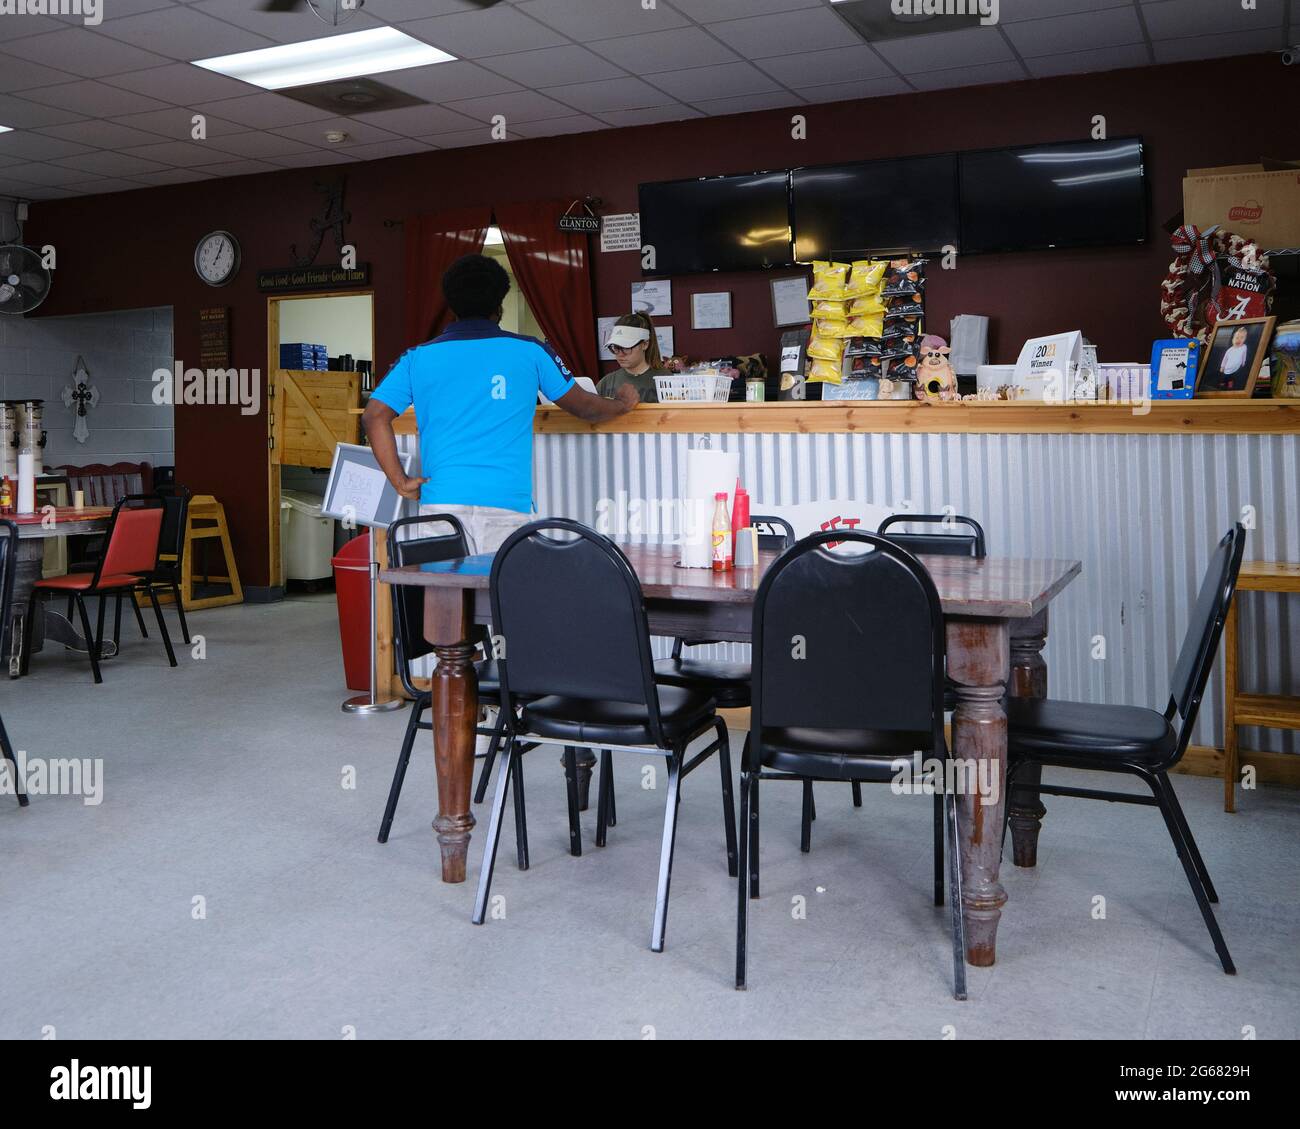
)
(333, 57)
(6, 129)
(494, 237)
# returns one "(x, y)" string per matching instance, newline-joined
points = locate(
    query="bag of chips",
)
(825, 348)
(904, 307)
(831, 327)
(905, 277)
(824, 372)
(828, 282)
(871, 304)
(865, 277)
(838, 311)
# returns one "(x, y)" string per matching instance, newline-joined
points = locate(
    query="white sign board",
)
(358, 492)
(790, 301)
(653, 297)
(621, 232)
(1046, 366)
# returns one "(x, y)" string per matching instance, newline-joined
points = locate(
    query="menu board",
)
(214, 337)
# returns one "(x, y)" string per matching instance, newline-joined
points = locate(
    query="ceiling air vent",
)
(352, 96)
(875, 20)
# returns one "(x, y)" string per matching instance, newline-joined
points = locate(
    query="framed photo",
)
(711, 311)
(790, 301)
(1233, 357)
(654, 297)
(1173, 368)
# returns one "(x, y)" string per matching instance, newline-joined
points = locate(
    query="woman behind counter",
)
(635, 347)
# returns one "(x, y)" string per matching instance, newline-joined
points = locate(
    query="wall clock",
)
(216, 258)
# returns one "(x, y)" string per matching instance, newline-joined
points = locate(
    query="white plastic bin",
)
(306, 538)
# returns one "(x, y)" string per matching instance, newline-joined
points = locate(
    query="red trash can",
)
(352, 589)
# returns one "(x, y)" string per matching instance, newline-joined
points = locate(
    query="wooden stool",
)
(1271, 711)
(205, 508)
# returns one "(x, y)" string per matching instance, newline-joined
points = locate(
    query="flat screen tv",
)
(1069, 194)
(905, 204)
(721, 223)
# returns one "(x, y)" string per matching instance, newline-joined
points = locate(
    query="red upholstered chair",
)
(130, 554)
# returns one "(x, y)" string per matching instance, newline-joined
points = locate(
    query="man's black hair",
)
(475, 286)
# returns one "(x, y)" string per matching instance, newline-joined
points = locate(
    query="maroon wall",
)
(135, 249)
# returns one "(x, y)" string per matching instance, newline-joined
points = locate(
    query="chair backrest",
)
(107, 484)
(131, 543)
(570, 612)
(773, 532)
(171, 538)
(1201, 643)
(8, 566)
(848, 640)
(408, 600)
(937, 544)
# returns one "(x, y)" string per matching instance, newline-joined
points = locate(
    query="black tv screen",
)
(907, 204)
(722, 223)
(1070, 194)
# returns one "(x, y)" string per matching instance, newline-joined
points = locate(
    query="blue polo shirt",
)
(474, 388)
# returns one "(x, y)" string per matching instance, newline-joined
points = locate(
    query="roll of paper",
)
(708, 473)
(697, 533)
(26, 483)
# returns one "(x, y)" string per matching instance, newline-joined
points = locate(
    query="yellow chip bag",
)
(823, 348)
(831, 327)
(866, 277)
(828, 282)
(871, 325)
(837, 310)
(872, 304)
(824, 372)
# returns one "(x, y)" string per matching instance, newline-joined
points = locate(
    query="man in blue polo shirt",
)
(475, 388)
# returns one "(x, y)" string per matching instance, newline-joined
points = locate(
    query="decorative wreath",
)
(1194, 296)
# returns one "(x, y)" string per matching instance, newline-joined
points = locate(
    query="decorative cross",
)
(80, 396)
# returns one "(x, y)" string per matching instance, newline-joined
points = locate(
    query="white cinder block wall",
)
(121, 350)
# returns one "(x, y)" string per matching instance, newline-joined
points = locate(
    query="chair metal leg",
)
(602, 797)
(117, 625)
(753, 838)
(180, 612)
(7, 750)
(612, 814)
(666, 852)
(955, 908)
(571, 784)
(28, 628)
(493, 835)
(1160, 787)
(1177, 809)
(99, 623)
(493, 746)
(938, 847)
(521, 813)
(742, 900)
(857, 794)
(139, 618)
(403, 759)
(162, 627)
(728, 797)
(92, 647)
(805, 824)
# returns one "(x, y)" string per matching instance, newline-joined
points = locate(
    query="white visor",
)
(625, 336)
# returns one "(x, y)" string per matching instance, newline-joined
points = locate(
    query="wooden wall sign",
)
(279, 279)
(214, 337)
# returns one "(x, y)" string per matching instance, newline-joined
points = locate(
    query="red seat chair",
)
(130, 554)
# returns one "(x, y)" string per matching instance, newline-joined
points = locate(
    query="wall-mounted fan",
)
(24, 281)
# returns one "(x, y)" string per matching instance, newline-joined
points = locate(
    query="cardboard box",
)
(1246, 200)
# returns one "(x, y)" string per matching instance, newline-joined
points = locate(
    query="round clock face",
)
(216, 258)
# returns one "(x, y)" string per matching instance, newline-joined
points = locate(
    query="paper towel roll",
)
(26, 483)
(697, 533)
(708, 473)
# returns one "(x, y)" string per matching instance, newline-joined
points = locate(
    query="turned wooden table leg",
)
(978, 662)
(447, 621)
(1028, 680)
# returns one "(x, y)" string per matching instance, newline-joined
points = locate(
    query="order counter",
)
(1139, 495)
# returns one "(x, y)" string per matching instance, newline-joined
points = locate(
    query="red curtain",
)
(554, 273)
(433, 243)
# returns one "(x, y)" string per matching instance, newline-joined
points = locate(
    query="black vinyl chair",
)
(8, 566)
(1136, 741)
(577, 671)
(410, 643)
(821, 618)
(166, 575)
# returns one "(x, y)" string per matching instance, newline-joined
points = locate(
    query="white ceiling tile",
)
(118, 9)
(312, 159)
(403, 11)
(1219, 46)
(678, 48)
(1111, 28)
(103, 184)
(172, 176)
(706, 11)
(443, 82)
(181, 84)
(611, 94)
(466, 139)
(237, 168)
(379, 150)
(731, 80)
(100, 134)
(181, 33)
(761, 37)
(556, 127)
(650, 115)
(1084, 62)
(40, 173)
(282, 27)
(263, 111)
(419, 121)
(37, 191)
(945, 49)
(584, 21)
(184, 153)
(968, 76)
(847, 91)
(93, 99)
(28, 26)
(87, 53)
(550, 66)
(818, 68)
(524, 106)
(19, 74)
(254, 144)
(1181, 19)
(313, 133)
(38, 147)
(472, 35)
(109, 164)
(1012, 11)
(179, 124)
(717, 107)
(22, 113)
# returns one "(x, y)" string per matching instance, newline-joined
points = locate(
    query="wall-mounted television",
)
(1068, 194)
(720, 223)
(849, 211)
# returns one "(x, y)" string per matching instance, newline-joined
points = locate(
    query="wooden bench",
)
(104, 484)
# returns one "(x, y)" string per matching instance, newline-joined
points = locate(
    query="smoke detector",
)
(335, 136)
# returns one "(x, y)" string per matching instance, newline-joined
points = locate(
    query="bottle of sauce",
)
(6, 496)
(723, 557)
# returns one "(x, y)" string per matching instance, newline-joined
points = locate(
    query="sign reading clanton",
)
(313, 278)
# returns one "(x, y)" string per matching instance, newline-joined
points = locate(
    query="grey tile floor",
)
(224, 780)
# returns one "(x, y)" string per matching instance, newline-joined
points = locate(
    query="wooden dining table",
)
(995, 612)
